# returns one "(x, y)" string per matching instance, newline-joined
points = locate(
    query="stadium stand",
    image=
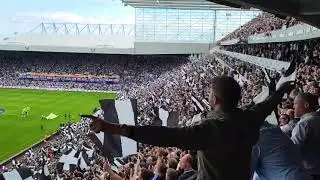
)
(305, 52)
(125, 66)
(303, 11)
(168, 81)
(263, 23)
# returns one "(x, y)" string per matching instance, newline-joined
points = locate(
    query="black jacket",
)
(223, 142)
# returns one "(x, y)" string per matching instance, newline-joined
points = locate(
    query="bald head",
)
(186, 162)
(304, 103)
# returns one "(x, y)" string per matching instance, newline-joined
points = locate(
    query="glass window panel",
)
(188, 24)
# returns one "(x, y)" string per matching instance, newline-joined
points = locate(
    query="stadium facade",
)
(161, 27)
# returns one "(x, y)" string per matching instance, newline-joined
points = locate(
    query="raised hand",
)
(97, 124)
(286, 87)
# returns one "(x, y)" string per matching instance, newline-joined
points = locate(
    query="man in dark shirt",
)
(276, 157)
(224, 142)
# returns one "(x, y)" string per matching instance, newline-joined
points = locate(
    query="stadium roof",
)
(197, 4)
(307, 11)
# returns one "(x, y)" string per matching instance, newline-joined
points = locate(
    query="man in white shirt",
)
(306, 133)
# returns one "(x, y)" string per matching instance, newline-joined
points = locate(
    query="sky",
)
(20, 16)
(24, 15)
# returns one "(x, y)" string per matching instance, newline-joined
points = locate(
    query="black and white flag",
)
(118, 112)
(266, 75)
(197, 104)
(199, 109)
(88, 150)
(205, 102)
(196, 118)
(165, 118)
(83, 161)
(43, 174)
(68, 161)
(17, 174)
(73, 159)
(266, 90)
(272, 118)
(288, 75)
(118, 162)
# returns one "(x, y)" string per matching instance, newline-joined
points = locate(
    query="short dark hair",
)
(172, 163)
(311, 99)
(178, 153)
(228, 91)
(162, 169)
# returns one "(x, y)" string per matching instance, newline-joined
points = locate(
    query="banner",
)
(70, 78)
(118, 112)
(56, 89)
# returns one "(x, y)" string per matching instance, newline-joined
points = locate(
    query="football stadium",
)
(160, 90)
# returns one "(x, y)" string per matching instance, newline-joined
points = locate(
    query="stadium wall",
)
(141, 48)
(170, 48)
(66, 49)
(294, 33)
(84, 40)
(270, 64)
(113, 44)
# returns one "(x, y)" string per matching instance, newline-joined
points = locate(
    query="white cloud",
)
(64, 16)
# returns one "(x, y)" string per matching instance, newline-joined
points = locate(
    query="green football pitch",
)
(18, 132)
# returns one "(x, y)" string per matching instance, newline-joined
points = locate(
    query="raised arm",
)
(192, 138)
(262, 110)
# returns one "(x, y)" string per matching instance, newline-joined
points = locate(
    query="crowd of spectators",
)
(298, 114)
(161, 81)
(186, 77)
(262, 23)
(252, 78)
(170, 85)
(190, 77)
(306, 53)
(132, 69)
